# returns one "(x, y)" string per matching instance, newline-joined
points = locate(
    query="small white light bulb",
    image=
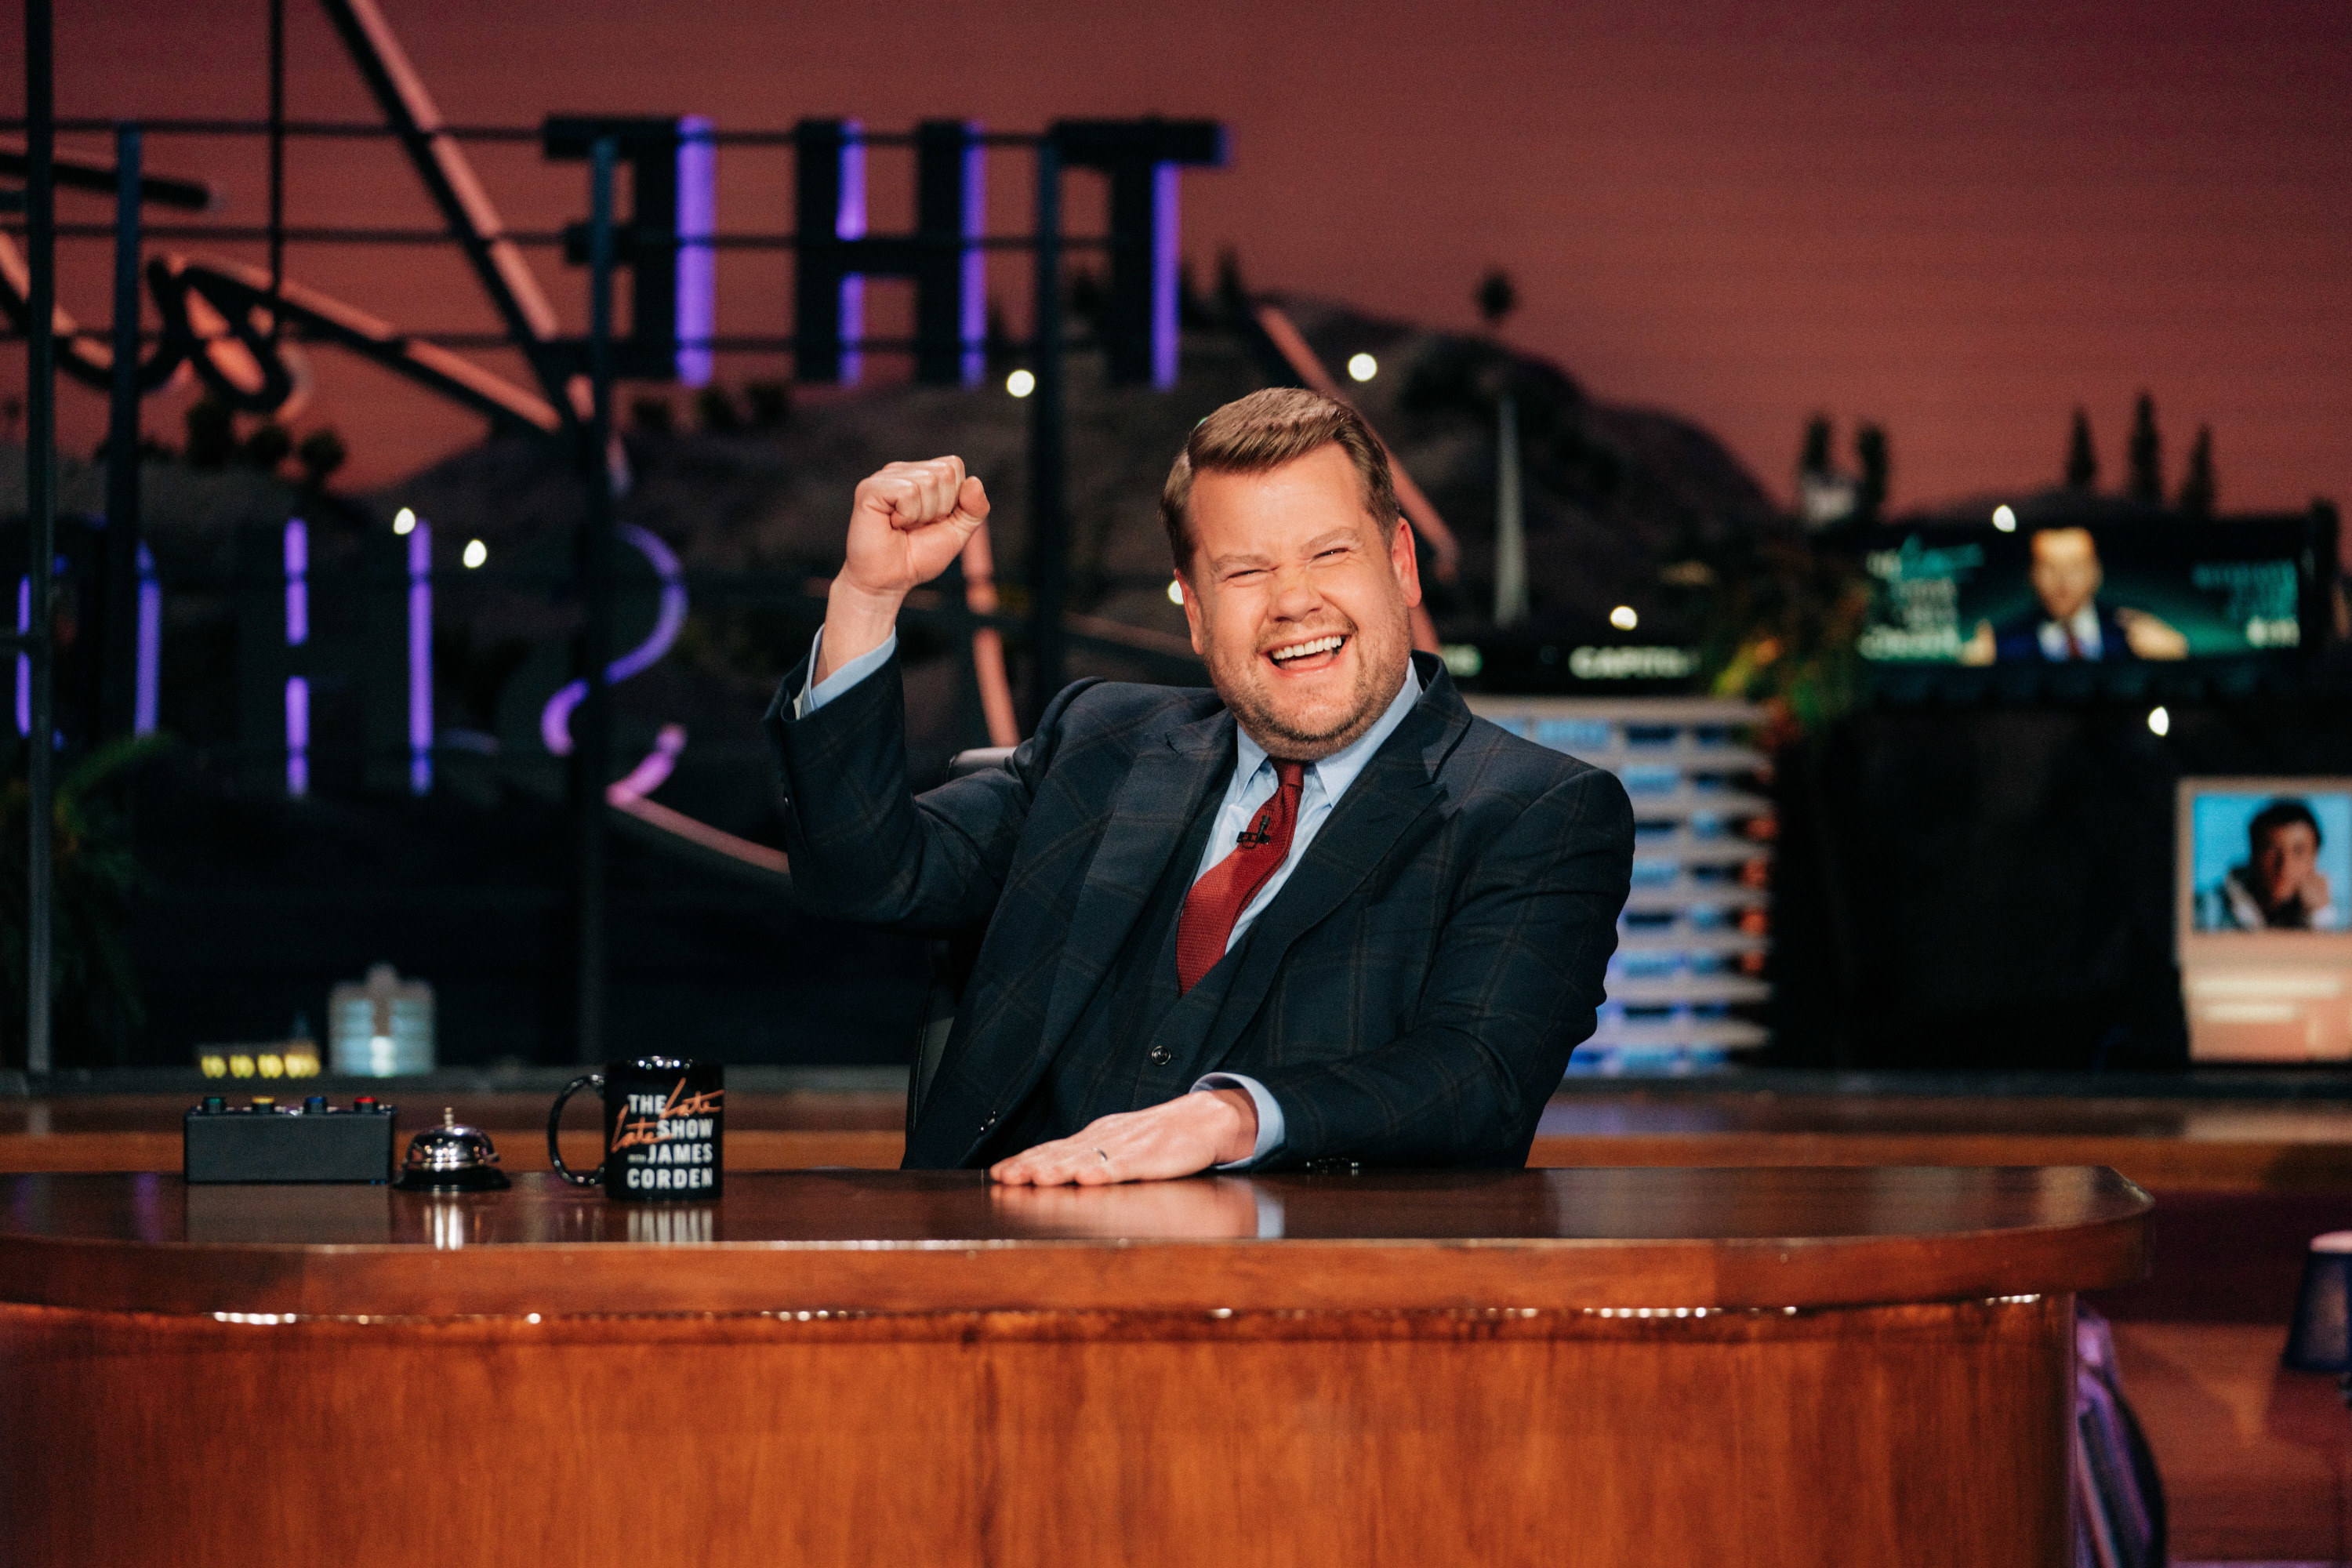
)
(1021, 384)
(1624, 618)
(403, 523)
(2004, 518)
(1362, 367)
(2159, 722)
(1175, 590)
(476, 553)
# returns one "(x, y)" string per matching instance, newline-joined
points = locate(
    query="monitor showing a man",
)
(1317, 911)
(2279, 886)
(2068, 623)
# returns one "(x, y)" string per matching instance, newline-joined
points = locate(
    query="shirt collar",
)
(1338, 770)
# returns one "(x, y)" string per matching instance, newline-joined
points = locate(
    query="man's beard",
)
(1248, 699)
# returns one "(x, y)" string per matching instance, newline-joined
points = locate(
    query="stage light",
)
(1021, 384)
(1362, 367)
(1624, 618)
(476, 553)
(2159, 722)
(1175, 590)
(403, 523)
(2005, 519)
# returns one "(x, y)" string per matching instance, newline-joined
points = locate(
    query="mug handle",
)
(555, 1125)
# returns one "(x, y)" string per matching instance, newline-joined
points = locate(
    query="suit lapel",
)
(1149, 813)
(1396, 789)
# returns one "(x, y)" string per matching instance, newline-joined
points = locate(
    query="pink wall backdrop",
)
(1960, 221)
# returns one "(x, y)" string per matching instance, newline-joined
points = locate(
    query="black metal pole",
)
(591, 733)
(277, 161)
(40, 516)
(115, 636)
(1049, 531)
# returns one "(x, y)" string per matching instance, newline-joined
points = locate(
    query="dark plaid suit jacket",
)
(1411, 995)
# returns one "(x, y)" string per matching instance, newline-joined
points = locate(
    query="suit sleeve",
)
(863, 847)
(1513, 989)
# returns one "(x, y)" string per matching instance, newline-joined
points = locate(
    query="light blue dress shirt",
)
(1251, 787)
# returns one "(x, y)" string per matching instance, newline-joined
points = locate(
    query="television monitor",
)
(2263, 914)
(2052, 605)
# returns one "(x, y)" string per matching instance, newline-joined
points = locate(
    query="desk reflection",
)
(1196, 1208)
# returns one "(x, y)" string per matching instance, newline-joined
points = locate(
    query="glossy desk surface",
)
(872, 1241)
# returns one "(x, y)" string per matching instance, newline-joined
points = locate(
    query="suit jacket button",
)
(987, 1124)
(1162, 1055)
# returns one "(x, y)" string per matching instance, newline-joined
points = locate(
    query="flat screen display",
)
(2147, 593)
(2264, 859)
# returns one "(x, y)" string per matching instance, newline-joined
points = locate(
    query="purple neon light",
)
(973, 280)
(647, 776)
(1163, 274)
(297, 735)
(420, 658)
(698, 219)
(148, 678)
(298, 583)
(24, 663)
(849, 222)
(555, 718)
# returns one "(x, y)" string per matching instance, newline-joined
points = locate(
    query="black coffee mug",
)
(663, 1124)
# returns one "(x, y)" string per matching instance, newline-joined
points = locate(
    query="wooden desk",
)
(1782, 1367)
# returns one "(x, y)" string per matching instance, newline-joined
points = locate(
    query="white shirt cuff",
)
(1270, 1126)
(814, 697)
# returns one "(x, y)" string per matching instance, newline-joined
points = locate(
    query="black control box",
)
(267, 1142)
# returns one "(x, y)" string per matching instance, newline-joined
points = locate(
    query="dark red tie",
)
(1218, 899)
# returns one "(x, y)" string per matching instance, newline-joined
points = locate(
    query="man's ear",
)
(1193, 615)
(1407, 562)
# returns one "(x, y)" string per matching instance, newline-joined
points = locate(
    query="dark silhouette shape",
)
(320, 453)
(2199, 493)
(268, 447)
(1232, 293)
(715, 411)
(2082, 458)
(212, 435)
(1813, 457)
(771, 403)
(1870, 452)
(2146, 481)
(1496, 297)
(653, 415)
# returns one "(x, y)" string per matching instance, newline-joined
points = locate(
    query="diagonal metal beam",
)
(464, 205)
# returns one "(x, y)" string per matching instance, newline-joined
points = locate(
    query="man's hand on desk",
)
(1181, 1138)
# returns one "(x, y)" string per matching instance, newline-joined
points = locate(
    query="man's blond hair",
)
(1262, 431)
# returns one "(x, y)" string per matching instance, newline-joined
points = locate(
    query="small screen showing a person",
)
(2067, 623)
(2285, 880)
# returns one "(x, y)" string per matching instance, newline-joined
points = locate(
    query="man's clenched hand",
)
(908, 522)
(1180, 1138)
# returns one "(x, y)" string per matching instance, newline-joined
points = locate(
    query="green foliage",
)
(2200, 492)
(2081, 456)
(1780, 624)
(212, 435)
(320, 454)
(2146, 483)
(94, 988)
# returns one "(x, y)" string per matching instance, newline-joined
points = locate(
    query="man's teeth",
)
(1302, 650)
